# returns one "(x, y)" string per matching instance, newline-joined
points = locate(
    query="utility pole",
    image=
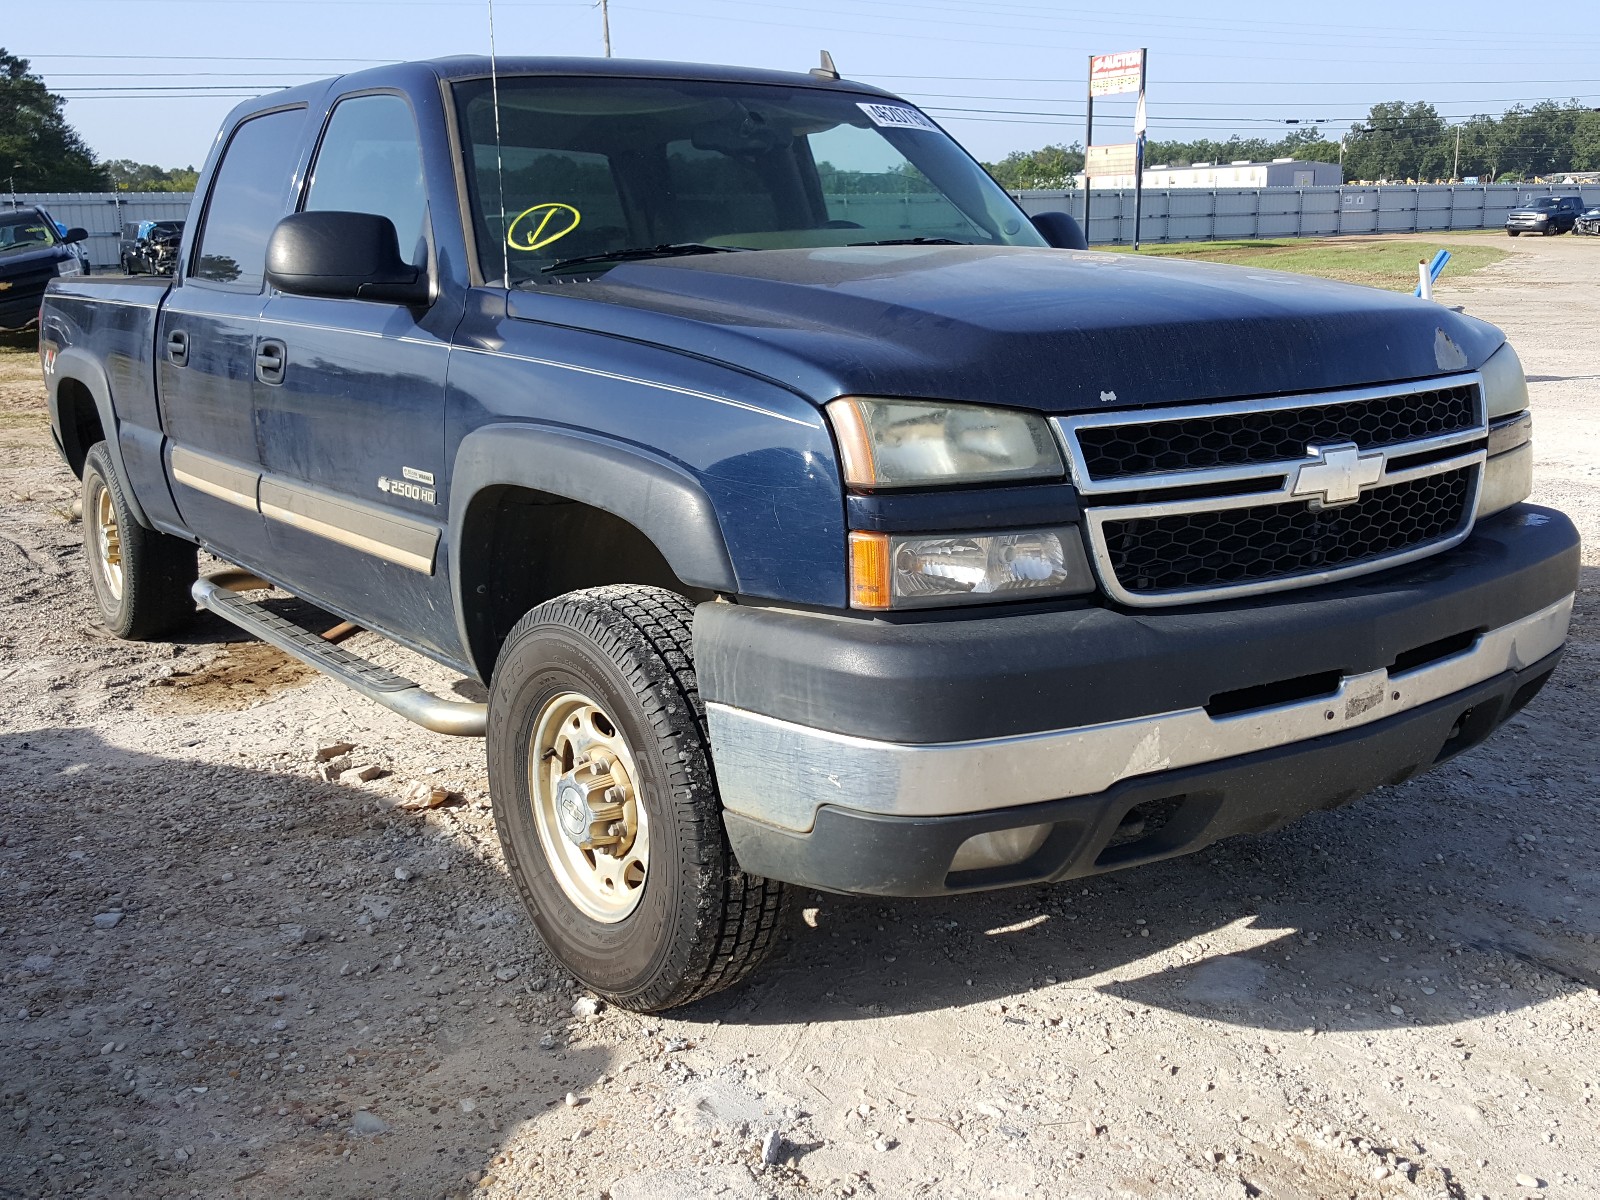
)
(1088, 141)
(1455, 171)
(605, 24)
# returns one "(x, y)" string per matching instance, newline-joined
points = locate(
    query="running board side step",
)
(220, 594)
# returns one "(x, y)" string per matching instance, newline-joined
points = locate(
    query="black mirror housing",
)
(343, 256)
(1060, 230)
(76, 234)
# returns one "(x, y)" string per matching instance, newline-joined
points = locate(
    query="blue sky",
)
(1001, 75)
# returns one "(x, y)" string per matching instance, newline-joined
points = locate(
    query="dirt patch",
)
(242, 676)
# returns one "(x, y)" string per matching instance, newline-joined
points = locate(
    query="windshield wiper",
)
(667, 250)
(914, 241)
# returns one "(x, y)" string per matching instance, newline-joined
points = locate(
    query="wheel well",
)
(80, 422)
(521, 547)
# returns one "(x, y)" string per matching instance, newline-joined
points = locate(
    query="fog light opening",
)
(1002, 848)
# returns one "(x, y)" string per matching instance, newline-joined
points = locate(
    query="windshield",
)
(21, 231)
(595, 167)
(1540, 202)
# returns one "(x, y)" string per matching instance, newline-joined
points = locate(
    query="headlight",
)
(914, 443)
(1508, 473)
(1541, 216)
(925, 570)
(1505, 387)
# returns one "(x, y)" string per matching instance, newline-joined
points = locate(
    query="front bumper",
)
(839, 767)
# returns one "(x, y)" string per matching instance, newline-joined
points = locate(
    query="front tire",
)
(140, 578)
(607, 807)
(1512, 232)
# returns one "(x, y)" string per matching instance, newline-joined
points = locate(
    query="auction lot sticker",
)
(897, 116)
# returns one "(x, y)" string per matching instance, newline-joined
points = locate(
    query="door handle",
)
(178, 348)
(272, 356)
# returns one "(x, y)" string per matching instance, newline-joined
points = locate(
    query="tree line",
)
(1398, 142)
(40, 152)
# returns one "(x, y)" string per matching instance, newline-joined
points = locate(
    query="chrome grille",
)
(1221, 439)
(1202, 502)
(1180, 552)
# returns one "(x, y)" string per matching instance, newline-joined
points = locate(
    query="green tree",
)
(37, 146)
(1050, 167)
(129, 176)
(1399, 141)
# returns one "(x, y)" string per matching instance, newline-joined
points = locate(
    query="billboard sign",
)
(1113, 74)
(1109, 160)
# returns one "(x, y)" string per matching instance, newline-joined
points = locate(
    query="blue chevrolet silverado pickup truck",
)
(812, 515)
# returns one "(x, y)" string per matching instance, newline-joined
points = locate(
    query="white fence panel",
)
(1204, 214)
(1170, 214)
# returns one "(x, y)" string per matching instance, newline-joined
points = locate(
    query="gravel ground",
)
(225, 974)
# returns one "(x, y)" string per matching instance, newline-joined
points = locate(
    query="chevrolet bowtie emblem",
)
(1337, 474)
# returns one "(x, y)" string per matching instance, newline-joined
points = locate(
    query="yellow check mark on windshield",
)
(550, 222)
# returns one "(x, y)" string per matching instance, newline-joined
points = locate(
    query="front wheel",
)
(140, 578)
(1512, 232)
(607, 807)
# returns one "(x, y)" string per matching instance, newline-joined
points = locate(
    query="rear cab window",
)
(249, 194)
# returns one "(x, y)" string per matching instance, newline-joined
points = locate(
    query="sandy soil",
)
(224, 975)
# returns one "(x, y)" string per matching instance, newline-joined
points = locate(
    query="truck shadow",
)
(267, 980)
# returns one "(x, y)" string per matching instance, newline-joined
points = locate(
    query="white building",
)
(1280, 172)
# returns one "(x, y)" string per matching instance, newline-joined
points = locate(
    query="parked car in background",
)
(150, 247)
(79, 250)
(32, 253)
(1589, 223)
(1548, 215)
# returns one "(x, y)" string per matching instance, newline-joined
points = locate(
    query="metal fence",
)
(1170, 214)
(103, 215)
(1225, 214)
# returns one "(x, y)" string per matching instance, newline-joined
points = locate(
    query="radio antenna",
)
(499, 163)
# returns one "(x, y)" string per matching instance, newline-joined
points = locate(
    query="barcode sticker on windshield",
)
(895, 116)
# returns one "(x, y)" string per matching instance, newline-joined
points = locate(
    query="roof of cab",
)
(471, 66)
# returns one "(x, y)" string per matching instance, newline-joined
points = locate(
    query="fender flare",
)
(658, 498)
(77, 365)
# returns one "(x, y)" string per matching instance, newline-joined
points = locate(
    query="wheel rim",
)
(105, 541)
(582, 783)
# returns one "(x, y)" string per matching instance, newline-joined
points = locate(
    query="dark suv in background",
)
(1548, 215)
(33, 251)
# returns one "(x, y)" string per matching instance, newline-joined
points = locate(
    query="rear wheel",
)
(140, 578)
(606, 805)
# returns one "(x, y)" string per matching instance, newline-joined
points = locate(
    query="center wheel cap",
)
(573, 810)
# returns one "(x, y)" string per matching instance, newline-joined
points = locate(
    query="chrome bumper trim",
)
(780, 773)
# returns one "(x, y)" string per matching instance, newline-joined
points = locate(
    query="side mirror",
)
(344, 256)
(76, 234)
(1060, 230)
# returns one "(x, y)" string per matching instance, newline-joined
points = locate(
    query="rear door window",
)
(248, 197)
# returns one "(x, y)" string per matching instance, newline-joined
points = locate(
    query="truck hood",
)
(1049, 330)
(25, 263)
